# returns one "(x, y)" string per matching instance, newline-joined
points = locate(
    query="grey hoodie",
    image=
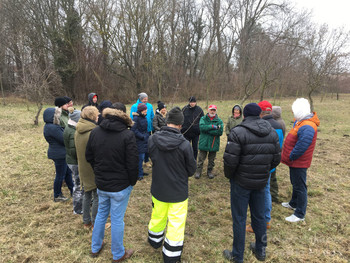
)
(277, 115)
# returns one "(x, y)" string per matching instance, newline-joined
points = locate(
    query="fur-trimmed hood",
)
(116, 120)
(52, 115)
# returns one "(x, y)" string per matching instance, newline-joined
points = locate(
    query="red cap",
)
(265, 105)
(213, 107)
(94, 96)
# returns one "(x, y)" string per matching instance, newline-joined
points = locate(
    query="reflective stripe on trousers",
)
(175, 214)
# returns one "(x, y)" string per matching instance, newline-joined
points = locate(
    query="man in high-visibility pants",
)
(173, 163)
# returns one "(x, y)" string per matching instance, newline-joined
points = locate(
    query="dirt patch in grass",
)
(35, 229)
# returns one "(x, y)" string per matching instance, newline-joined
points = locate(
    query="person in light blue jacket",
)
(143, 98)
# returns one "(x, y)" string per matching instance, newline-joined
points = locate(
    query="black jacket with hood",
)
(173, 163)
(112, 152)
(91, 103)
(251, 152)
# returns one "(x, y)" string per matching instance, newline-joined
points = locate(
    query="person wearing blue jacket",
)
(53, 134)
(141, 134)
(143, 98)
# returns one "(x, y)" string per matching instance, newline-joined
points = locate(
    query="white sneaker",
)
(287, 205)
(294, 219)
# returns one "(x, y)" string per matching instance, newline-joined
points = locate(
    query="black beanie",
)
(60, 101)
(161, 105)
(68, 99)
(175, 116)
(119, 106)
(192, 99)
(251, 109)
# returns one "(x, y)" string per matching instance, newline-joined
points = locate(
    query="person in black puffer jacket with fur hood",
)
(112, 152)
(252, 151)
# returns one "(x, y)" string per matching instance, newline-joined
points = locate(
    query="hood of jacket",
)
(168, 138)
(104, 104)
(240, 108)
(276, 112)
(256, 125)
(90, 96)
(115, 120)
(52, 115)
(312, 117)
(84, 126)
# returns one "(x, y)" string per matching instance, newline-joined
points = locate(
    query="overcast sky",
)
(335, 13)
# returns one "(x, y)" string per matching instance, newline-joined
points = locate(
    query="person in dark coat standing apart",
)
(173, 163)
(112, 152)
(252, 151)
(190, 128)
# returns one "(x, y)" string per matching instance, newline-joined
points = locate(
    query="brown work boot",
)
(128, 254)
(94, 255)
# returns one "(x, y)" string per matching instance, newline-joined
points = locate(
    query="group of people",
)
(100, 152)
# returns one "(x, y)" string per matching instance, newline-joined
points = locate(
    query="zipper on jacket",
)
(212, 145)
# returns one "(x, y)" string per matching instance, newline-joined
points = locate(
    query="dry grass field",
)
(35, 229)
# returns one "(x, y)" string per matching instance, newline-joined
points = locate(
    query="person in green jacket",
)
(211, 128)
(62, 102)
(72, 160)
(235, 119)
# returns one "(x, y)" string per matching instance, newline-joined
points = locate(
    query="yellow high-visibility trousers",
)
(175, 215)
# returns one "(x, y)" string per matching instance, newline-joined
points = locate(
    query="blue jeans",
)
(62, 173)
(141, 158)
(114, 203)
(240, 199)
(299, 195)
(268, 201)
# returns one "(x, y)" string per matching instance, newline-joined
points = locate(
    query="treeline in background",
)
(217, 49)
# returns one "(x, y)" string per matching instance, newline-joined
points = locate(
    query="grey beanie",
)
(175, 116)
(75, 115)
(142, 95)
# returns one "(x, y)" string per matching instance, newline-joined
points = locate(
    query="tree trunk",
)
(36, 120)
(2, 91)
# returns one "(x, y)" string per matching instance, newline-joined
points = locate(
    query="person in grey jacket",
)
(159, 117)
(173, 163)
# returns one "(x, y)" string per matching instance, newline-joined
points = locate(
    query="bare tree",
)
(323, 56)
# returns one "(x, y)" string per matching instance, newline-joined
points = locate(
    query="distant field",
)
(35, 229)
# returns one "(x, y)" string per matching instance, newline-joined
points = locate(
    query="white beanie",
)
(301, 108)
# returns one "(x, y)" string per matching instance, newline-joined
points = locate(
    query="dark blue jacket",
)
(141, 133)
(53, 134)
(278, 128)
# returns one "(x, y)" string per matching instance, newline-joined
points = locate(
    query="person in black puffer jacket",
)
(112, 152)
(190, 128)
(252, 151)
(141, 134)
